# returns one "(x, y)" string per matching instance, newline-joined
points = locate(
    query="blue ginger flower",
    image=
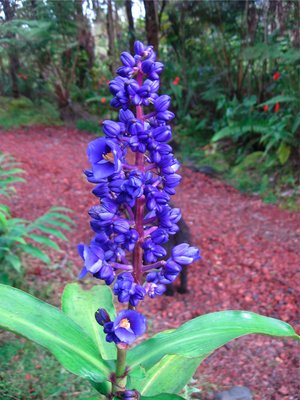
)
(135, 172)
(127, 326)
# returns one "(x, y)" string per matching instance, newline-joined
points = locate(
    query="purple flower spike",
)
(135, 170)
(104, 156)
(185, 254)
(127, 326)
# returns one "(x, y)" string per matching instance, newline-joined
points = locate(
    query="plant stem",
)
(140, 204)
(119, 385)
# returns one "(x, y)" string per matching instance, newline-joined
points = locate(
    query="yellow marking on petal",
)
(124, 323)
(109, 157)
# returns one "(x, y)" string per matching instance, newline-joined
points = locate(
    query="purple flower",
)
(153, 251)
(153, 286)
(104, 155)
(159, 236)
(185, 254)
(127, 290)
(93, 257)
(127, 326)
(128, 239)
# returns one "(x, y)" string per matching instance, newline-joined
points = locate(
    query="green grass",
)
(23, 112)
(30, 372)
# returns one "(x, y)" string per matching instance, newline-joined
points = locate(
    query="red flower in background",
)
(23, 77)
(266, 107)
(276, 108)
(103, 100)
(176, 81)
(276, 76)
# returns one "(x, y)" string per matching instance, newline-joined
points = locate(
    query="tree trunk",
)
(86, 44)
(296, 30)
(111, 36)
(14, 64)
(151, 21)
(131, 31)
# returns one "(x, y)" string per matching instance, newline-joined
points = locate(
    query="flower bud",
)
(102, 316)
(111, 128)
(131, 395)
(139, 48)
(162, 103)
(127, 59)
(162, 133)
(185, 254)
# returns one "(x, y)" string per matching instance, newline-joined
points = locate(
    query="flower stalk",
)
(120, 378)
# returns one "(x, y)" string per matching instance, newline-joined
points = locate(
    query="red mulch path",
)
(251, 256)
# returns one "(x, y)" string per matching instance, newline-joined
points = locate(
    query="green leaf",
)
(278, 99)
(55, 222)
(238, 129)
(5, 210)
(58, 215)
(202, 335)
(164, 376)
(14, 260)
(51, 328)
(3, 222)
(81, 305)
(283, 152)
(44, 240)
(47, 229)
(35, 252)
(163, 396)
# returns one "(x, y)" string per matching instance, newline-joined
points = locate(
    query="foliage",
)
(88, 126)
(23, 112)
(75, 343)
(9, 174)
(31, 372)
(239, 77)
(19, 236)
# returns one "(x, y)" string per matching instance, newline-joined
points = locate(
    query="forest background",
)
(232, 69)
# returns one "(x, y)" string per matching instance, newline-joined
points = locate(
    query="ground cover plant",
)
(20, 236)
(133, 217)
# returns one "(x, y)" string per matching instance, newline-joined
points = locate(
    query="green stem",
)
(119, 384)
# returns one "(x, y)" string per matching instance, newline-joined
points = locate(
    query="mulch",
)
(250, 257)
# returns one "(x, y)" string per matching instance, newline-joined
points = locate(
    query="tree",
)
(131, 30)
(111, 36)
(9, 9)
(152, 23)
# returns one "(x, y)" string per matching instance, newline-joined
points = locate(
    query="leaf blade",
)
(46, 325)
(202, 335)
(81, 305)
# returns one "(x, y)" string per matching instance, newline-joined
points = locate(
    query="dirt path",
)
(251, 256)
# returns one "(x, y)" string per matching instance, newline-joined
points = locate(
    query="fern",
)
(19, 236)
(238, 129)
(9, 171)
